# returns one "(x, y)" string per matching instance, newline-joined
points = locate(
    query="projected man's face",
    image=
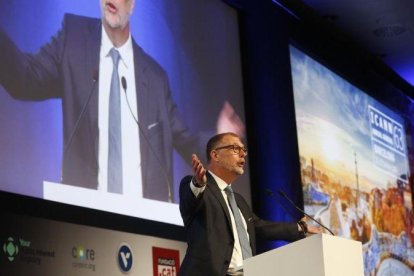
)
(116, 13)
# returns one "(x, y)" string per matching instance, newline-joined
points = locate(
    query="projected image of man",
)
(107, 84)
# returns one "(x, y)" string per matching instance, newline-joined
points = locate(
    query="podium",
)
(318, 255)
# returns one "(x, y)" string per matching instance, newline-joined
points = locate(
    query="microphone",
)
(124, 85)
(170, 196)
(270, 193)
(282, 194)
(95, 80)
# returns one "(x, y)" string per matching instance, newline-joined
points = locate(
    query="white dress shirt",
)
(236, 257)
(131, 158)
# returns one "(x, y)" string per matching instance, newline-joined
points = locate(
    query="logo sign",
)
(84, 258)
(388, 144)
(166, 262)
(27, 253)
(125, 258)
(11, 249)
(83, 254)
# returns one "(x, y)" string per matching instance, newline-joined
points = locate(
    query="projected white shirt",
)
(131, 158)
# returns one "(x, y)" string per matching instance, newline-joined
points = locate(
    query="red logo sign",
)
(166, 262)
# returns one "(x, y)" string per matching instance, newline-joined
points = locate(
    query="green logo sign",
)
(11, 249)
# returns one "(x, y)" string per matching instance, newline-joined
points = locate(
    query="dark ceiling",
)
(384, 28)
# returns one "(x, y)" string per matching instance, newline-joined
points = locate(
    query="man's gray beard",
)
(121, 20)
(237, 170)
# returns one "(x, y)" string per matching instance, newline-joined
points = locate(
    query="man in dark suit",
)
(221, 231)
(70, 67)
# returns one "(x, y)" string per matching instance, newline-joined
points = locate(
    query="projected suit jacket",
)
(209, 232)
(64, 68)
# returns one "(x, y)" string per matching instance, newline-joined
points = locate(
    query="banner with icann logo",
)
(354, 166)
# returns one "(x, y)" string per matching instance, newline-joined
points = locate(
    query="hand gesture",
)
(199, 171)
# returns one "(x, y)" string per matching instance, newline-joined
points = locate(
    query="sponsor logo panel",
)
(166, 262)
(24, 251)
(125, 258)
(84, 258)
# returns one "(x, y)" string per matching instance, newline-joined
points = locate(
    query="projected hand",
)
(199, 171)
(229, 121)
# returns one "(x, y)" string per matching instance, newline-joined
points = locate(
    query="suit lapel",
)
(141, 85)
(93, 36)
(212, 185)
(93, 48)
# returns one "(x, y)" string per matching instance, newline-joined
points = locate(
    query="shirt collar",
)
(220, 182)
(125, 51)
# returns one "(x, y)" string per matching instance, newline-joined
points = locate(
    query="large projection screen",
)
(194, 56)
(354, 166)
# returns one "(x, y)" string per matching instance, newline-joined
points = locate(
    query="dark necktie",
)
(114, 126)
(241, 231)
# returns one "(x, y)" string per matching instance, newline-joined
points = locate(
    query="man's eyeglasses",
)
(236, 149)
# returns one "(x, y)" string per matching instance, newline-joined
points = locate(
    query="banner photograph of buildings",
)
(354, 166)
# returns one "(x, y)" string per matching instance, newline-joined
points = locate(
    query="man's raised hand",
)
(199, 171)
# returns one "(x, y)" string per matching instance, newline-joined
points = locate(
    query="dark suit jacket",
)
(64, 68)
(209, 231)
